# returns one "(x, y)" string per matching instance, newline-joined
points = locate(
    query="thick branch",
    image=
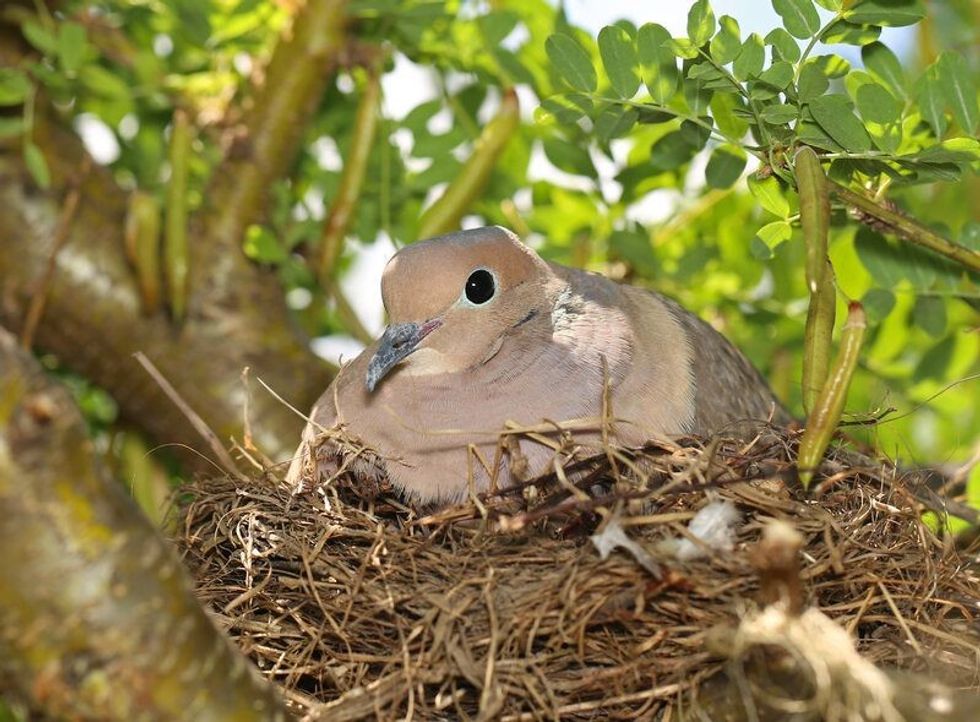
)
(908, 229)
(97, 618)
(278, 113)
(93, 321)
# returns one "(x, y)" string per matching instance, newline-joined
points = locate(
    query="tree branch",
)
(93, 320)
(443, 215)
(272, 129)
(352, 179)
(97, 617)
(907, 228)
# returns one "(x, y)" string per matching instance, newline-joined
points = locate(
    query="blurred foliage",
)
(674, 157)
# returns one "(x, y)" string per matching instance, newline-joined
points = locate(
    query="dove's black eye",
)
(480, 287)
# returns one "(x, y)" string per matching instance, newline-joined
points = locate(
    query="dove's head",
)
(452, 300)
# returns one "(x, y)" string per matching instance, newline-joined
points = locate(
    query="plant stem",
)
(810, 45)
(907, 228)
(352, 179)
(443, 215)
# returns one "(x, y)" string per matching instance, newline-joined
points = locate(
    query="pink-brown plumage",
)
(540, 349)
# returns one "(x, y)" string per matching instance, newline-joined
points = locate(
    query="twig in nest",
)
(224, 458)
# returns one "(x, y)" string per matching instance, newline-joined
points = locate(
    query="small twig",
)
(900, 619)
(907, 228)
(224, 458)
(39, 299)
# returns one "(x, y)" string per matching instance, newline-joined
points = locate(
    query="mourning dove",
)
(483, 331)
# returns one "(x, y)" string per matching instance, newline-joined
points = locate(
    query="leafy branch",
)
(908, 228)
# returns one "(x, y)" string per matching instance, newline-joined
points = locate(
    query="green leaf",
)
(671, 151)
(780, 114)
(774, 234)
(808, 132)
(39, 36)
(14, 86)
(834, 114)
(695, 93)
(703, 70)
(11, 127)
(497, 25)
(102, 82)
(569, 157)
(71, 46)
(682, 48)
(779, 75)
(649, 115)
(657, 63)
(935, 361)
(929, 314)
(263, 246)
(633, 247)
(848, 33)
(620, 60)
(833, 66)
(882, 259)
(884, 67)
(727, 43)
(878, 303)
(812, 83)
(770, 196)
(891, 13)
(832, 5)
(877, 104)
(932, 100)
(37, 165)
(784, 45)
(970, 235)
(959, 88)
(695, 134)
(723, 106)
(700, 22)
(759, 249)
(566, 109)
(799, 17)
(571, 62)
(889, 262)
(750, 59)
(614, 121)
(725, 166)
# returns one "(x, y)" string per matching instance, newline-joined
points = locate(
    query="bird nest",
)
(589, 594)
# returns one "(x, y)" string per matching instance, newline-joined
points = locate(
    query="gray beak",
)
(398, 341)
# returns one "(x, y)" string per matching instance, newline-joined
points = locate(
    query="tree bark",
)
(97, 617)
